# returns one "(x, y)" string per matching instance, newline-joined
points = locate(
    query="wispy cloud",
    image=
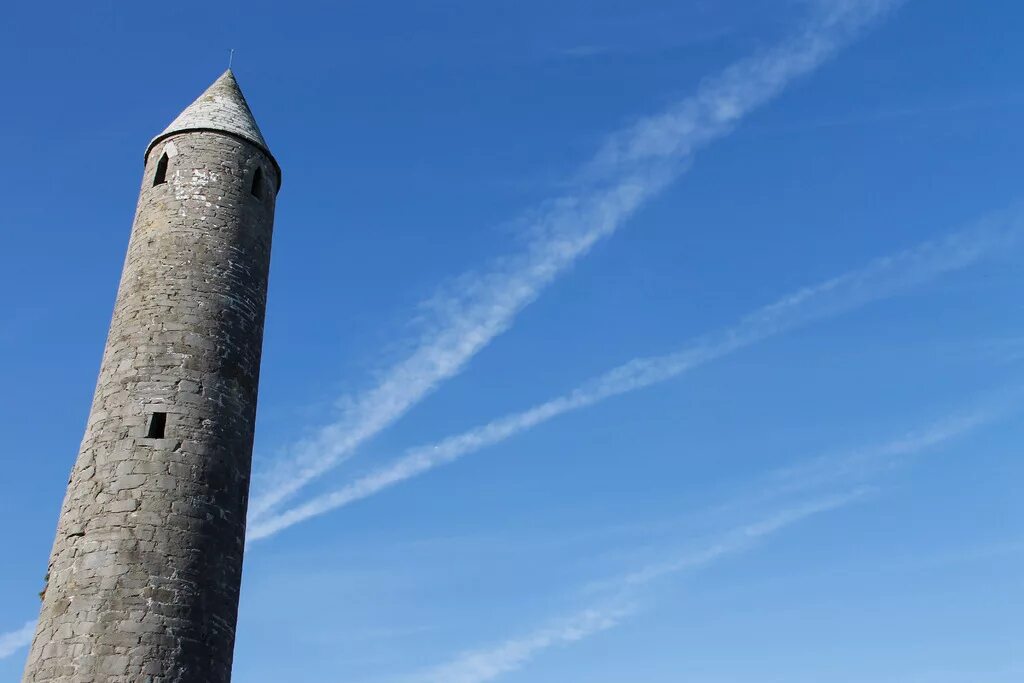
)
(487, 664)
(881, 278)
(863, 464)
(479, 666)
(630, 168)
(740, 538)
(15, 640)
(854, 469)
(483, 665)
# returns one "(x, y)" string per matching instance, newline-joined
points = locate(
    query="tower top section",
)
(221, 108)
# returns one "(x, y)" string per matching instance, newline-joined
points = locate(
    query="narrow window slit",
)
(257, 184)
(161, 171)
(157, 425)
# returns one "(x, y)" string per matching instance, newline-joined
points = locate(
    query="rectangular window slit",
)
(256, 189)
(157, 424)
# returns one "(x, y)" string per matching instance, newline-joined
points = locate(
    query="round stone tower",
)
(144, 575)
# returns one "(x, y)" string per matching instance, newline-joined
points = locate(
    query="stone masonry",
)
(144, 575)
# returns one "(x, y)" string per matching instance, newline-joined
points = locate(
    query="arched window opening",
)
(161, 171)
(257, 183)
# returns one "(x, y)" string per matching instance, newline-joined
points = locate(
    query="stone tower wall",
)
(145, 570)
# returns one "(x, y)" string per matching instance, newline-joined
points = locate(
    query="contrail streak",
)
(484, 665)
(881, 278)
(633, 165)
(479, 666)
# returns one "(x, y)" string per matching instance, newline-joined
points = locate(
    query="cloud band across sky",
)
(881, 278)
(622, 591)
(487, 664)
(630, 168)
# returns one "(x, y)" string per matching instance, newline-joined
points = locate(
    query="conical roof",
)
(222, 107)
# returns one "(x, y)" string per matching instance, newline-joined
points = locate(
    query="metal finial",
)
(231, 57)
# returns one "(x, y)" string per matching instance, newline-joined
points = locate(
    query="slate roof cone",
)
(221, 107)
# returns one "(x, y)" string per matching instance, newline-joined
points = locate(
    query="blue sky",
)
(625, 341)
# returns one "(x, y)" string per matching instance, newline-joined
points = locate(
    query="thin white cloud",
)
(631, 167)
(881, 278)
(860, 465)
(480, 666)
(740, 539)
(487, 664)
(15, 640)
